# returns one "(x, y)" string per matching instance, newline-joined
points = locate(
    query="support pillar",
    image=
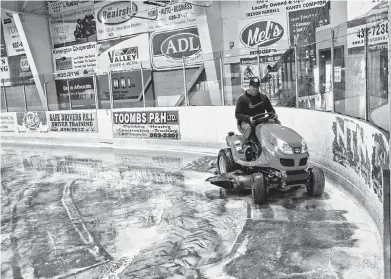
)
(210, 31)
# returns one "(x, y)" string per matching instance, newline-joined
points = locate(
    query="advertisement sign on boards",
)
(71, 121)
(117, 18)
(61, 6)
(73, 27)
(81, 91)
(168, 47)
(11, 34)
(173, 16)
(76, 57)
(124, 54)
(7, 122)
(147, 125)
(32, 122)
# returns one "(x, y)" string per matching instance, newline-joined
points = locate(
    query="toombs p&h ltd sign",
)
(168, 47)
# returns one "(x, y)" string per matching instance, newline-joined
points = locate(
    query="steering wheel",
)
(263, 117)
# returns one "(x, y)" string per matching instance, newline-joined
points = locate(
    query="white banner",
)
(57, 6)
(4, 72)
(124, 53)
(7, 122)
(12, 39)
(115, 19)
(168, 47)
(73, 121)
(173, 16)
(74, 27)
(74, 57)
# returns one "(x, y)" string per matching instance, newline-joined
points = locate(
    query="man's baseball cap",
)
(255, 82)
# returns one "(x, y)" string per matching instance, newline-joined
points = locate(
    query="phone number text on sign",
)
(154, 125)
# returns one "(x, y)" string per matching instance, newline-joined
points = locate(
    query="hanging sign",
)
(172, 17)
(73, 27)
(12, 39)
(76, 57)
(168, 48)
(146, 125)
(268, 34)
(370, 16)
(19, 70)
(60, 6)
(3, 52)
(257, 8)
(117, 18)
(124, 54)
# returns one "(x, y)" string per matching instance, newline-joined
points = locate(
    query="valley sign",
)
(168, 47)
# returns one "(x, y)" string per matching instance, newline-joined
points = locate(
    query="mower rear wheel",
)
(225, 161)
(316, 183)
(259, 189)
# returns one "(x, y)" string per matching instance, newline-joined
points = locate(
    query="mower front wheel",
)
(223, 193)
(259, 189)
(316, 183)
(225, 161)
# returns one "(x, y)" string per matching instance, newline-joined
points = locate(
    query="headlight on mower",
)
(284, 147)
(304, 147)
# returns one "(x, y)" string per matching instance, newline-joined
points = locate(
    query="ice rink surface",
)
(94, 213)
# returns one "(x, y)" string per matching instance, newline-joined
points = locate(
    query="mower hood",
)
(270, 131)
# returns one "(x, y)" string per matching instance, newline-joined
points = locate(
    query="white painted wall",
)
(205, 125)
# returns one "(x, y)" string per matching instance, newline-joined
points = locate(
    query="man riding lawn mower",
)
(266, 155)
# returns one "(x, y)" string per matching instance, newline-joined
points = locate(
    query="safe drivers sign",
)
(169, 47)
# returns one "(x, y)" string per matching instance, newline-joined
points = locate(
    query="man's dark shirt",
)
(249, 105)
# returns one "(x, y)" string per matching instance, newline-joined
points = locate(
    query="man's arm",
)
(269, 108)
(268, 105)
(240, 111)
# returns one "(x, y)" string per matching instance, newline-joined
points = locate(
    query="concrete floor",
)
(85, 213)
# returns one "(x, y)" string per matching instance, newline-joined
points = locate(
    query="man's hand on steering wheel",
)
(271, 120)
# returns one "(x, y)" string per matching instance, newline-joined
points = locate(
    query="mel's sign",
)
(269, 33)
(168, 48)
(262, 34)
